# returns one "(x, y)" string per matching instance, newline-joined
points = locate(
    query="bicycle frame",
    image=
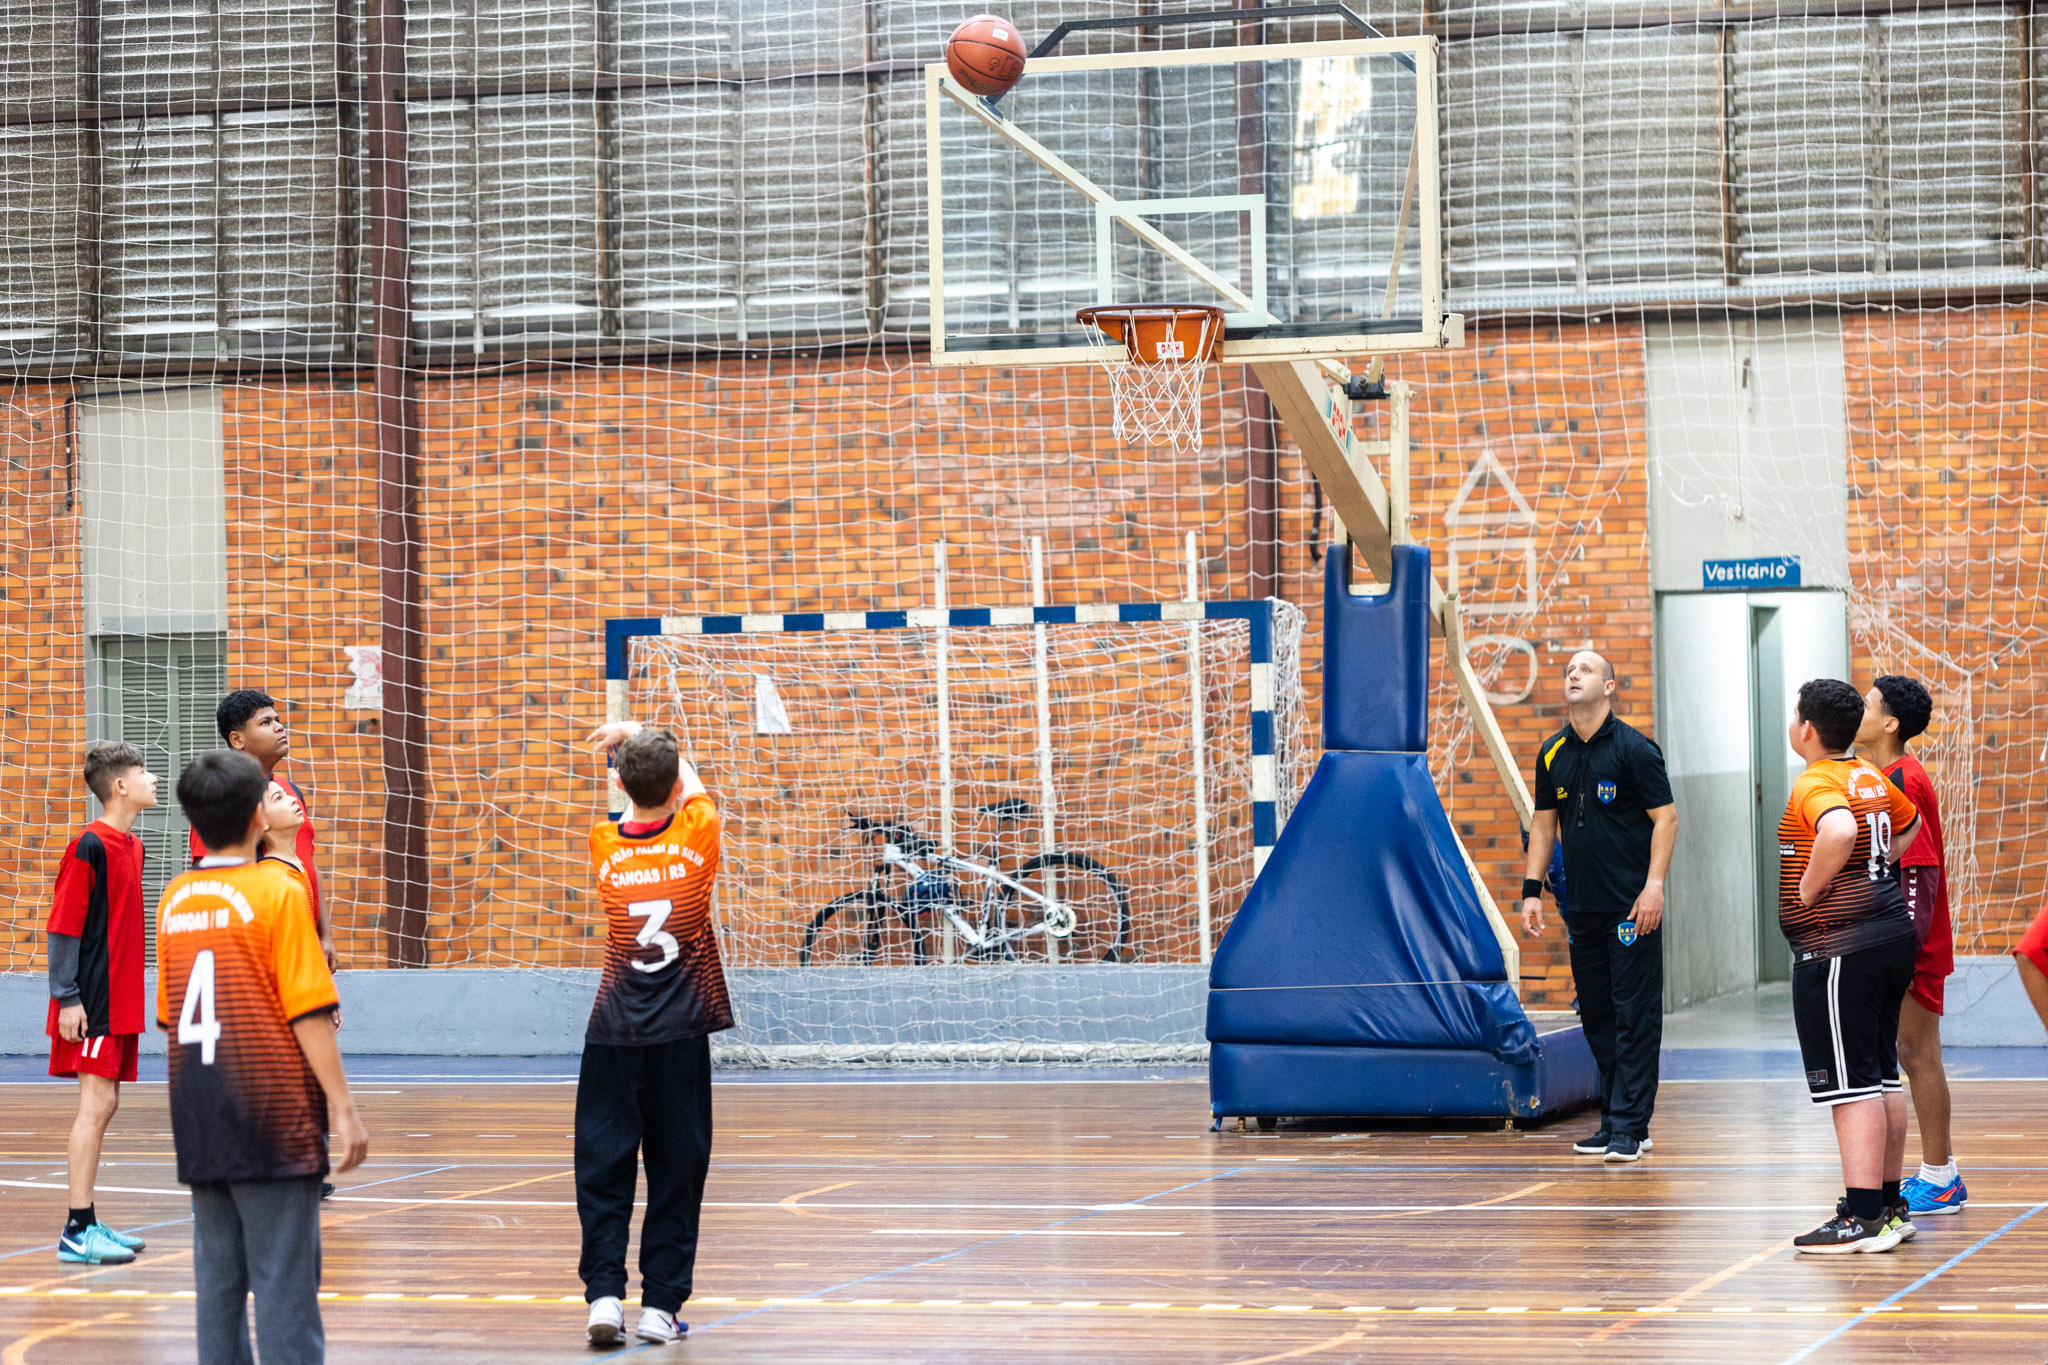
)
(1051, 912)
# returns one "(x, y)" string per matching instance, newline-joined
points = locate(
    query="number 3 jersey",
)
(238, 960)
(662, 977)
(1862, 905)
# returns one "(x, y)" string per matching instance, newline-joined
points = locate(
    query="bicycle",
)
(1058, 906)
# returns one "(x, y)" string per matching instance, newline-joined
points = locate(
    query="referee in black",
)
(1600, 784)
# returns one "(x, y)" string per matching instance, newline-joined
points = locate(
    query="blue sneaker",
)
(1924, 1196)
(128, 1240)
(92, 1246)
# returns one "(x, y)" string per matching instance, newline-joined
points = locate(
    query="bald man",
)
(1601, 787)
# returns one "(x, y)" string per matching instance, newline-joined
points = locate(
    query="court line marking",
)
(1887, 1305)
(962, 1251)
(1342, 1339)
(791, 1202)
(1693, 1291)
(1944, 1312)
(17, 1352)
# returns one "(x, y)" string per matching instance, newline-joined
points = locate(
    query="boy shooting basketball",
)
(96, 1007)
(1853, 949)
(644, 1089)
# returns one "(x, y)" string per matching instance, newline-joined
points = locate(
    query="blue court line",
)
(1927, 1279)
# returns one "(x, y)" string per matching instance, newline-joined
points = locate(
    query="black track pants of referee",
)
(1621, 1006)
(633, 1102)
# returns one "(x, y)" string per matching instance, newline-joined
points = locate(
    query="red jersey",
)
(1938, 942)
(662, 977)
(98, 901)
(302, 845)
(237, 963)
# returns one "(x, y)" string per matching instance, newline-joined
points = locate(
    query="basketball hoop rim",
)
(1124, 319)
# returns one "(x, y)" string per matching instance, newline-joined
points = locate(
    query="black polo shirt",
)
(1603, 789)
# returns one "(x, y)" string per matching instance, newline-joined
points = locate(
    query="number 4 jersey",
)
(1862, 905)
(662, 978)
(238, 960)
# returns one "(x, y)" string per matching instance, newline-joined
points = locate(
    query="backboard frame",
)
(1429, 329)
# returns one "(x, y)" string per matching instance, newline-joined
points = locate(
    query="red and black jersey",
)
(303, 845)
(1861, 906)
(662, 978)
(98, 901)
(238, 963)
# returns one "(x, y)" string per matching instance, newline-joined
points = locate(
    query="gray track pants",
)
(260, 1236)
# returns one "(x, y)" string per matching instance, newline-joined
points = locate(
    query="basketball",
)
(986, 55)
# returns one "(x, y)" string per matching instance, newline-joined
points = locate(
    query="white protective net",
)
(668, 287)
(1106, 770)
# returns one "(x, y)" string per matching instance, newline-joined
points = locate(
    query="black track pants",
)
(632, 1103)
(1621, 1005)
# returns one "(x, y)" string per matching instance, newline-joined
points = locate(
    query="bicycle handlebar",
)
(890, 832)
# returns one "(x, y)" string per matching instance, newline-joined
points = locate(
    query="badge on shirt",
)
(1605, 791)
(1561, 793)
(1626, 932)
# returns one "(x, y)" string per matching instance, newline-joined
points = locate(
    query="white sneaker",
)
(607, 1321)
(659, 1328)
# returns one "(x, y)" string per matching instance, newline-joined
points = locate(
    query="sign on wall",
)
(1744, 575)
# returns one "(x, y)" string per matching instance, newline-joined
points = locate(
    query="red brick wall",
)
(44, 676)
(1948, 434)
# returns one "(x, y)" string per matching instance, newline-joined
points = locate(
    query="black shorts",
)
(1847, 1011)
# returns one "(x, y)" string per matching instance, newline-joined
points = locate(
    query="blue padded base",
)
(1258, 1079)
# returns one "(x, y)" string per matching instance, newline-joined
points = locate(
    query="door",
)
(1728, 667)
(1795, 636)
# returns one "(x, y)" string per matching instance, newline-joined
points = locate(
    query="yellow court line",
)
(791, 1202)
(1349, 1312)
(17, 1352)
(1452, 1208)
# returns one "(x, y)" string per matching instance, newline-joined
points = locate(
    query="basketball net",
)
(1160, 355)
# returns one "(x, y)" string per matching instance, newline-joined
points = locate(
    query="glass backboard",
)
(1285, 183)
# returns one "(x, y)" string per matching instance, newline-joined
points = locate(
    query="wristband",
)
(1532, 887)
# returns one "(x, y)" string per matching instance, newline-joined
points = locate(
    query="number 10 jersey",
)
(662, 978)
(1862, 905)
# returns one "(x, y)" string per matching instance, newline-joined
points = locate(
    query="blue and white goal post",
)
(1161, 741)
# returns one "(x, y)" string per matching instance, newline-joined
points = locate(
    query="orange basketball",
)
(986, 55)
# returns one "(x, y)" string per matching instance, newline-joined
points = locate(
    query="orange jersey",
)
(662, 977)
(237, 961)
(1862, 905)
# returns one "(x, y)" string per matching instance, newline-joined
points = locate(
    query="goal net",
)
(909, 797)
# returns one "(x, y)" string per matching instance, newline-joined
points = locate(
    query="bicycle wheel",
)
(1100, 905)
(861, 929)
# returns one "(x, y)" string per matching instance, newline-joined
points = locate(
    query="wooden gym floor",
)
(1034, 1216)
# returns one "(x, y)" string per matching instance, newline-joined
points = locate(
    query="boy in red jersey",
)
(2032, 953)
(96, 1008)
(1853, 947)
(1896, 710)
(255, 1074)
(644, 1088)
(248, 721)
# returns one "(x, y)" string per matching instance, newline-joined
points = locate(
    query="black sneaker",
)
(1622, 1147)
(1594, 1145)
(1845, 1232)
(1900, 1216)
(326, 1190)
